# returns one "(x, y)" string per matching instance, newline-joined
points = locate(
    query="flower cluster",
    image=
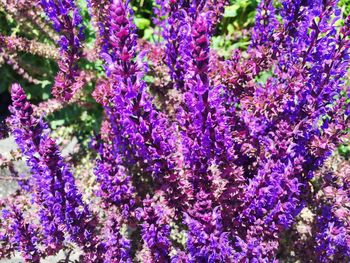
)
(61, 205)
(155, 231)
(222, 174)
(21, 234)
(332, 240)
(143, 136)
(67, 21)
(30, 46)
(13, 61)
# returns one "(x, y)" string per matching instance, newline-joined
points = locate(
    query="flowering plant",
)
(207, 162)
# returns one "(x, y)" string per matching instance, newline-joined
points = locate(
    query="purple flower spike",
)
(60, 203)
(155, 229)
(21, 234)
(144, 139)
(177, 36)
(64, 14)
(117, 247)
(206, 240)
(67, 200)
(265, 25)
(116, 186)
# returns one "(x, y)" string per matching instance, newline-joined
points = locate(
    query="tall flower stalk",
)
(66, 20)
(61, 207)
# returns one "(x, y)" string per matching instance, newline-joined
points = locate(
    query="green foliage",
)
(344, 150)
(142, 23)
(240, 13)
(263, 76)
(83, 120)
(37, 67)
(345, 6)
(143, 10)
(232, 32)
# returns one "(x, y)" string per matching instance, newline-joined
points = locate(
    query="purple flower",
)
(145, 140)
(60, 203)
(155, 229)
(64, 14)
(177, 35)
(117, 247)
(333, 238)
(206, 240)
(265, 24)
(66, 200)
(201, 116)
(115, 184)
(21, 234)
(331, 235)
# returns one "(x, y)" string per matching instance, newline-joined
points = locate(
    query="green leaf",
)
(45, 95)
(142, 23)
(231, 11)
(148, 33)
(230, 29)
(148, 79)
(45, 83)
(56, 123)
(263, 76)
